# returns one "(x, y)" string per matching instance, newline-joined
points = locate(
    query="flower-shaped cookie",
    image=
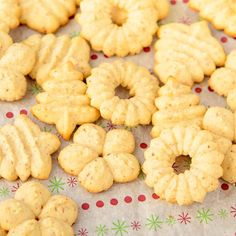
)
(222, 123)
(52, 51)
(64, 102)
(17, 61)
(221, 13)
(192, 185)
(142, 86)
(176, 104)
(120, 27)
(33, 211)
(223, 80)
(99, 158)
(25, 150)
(46, 16)
(187, 52)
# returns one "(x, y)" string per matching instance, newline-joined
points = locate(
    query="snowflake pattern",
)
(82, 232)
(141, 175)
(4, 192)
(47, 129)
(185, 20)
(110, 126)
(74, 34)
(222, 213)
(35, 89)
(184, 218)
(154, 223)
(233, 210)
(72, 182)
(204, 215)
(56, 184)
(170, 220)
(135, 225)
(101, 230)
(120, 227)
(15, 187)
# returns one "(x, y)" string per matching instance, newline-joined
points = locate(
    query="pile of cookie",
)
(74, 94)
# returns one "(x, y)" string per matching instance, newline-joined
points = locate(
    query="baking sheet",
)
(132, 209)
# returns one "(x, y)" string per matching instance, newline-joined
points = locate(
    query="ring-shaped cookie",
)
(193, 184)
(120, 27)
(142, 86)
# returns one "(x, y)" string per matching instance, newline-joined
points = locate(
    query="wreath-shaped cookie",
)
(142, 86)
(192, 185)
(33, 211)
(187, 52)
(120, 27)
(99, 158)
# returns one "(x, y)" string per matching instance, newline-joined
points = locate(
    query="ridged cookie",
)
(187, 52)
(221, 13)
(193, 184)
(176, 105)
(64, 102)
(26, 150)
(17, 61)
(52, 51)
(46, 16)
(99, 158)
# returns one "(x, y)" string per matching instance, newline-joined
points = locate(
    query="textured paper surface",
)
(132, 209)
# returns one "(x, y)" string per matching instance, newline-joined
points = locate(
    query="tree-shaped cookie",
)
(223, 80)
(17, 61)
(64, 102)
(33, 211)
(221, 13)
(222, 122)
(99, 158)
(52, 51)
(176, 104)
(187, 52)
(25, 150)
(46, 16)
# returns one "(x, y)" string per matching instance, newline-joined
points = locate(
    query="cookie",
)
(17, 61)
(35, 212)
(26, 150)
(65, 94)
(223, 80)
(120, 27)
(192, 185)
(187, 52)
(142, 86)
(176, 105)
(9, 15)
(221, 13)
(99, 158)
(52, 51)
(46, 16)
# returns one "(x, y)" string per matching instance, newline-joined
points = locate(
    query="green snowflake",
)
(170, 220)
(204, 215)
(47, 129)
(4, 192)
(101, 230)
(222, 213)
(35, 89)
(74, 34)
(56, 184)
(154, 223)
(120, 227)
(141, 175)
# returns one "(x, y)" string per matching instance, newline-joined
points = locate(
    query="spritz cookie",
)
(120, 27)
(187, 52)
(192, 185)
(46, 16)
(99, 159)
(142, 86)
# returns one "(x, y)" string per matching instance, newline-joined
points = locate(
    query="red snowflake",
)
(15, 187)
(233, 211)
(72, 181)
(185, 20)
(82, 232)
(110, 126)
(135, 225)
(184, 218)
